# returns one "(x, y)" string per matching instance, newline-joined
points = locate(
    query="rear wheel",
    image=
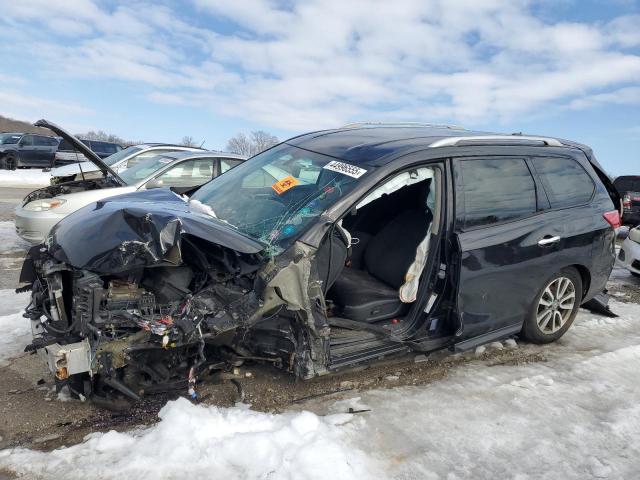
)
(554, 308)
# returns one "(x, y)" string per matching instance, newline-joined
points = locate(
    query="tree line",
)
(242, 143)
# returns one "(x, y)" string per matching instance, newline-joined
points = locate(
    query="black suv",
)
(26, 150)
(66, 153)
(628, 187)
(329, 250)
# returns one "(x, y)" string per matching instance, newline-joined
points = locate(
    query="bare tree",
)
(102, 136)
(257, 142)
(188, 141)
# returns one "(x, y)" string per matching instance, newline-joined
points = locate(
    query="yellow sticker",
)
(285, 184)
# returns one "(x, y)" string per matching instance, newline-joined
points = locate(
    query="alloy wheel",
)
(555, 305)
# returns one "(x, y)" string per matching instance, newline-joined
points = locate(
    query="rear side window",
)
(567, 184)
(495, 190)
(228, 164)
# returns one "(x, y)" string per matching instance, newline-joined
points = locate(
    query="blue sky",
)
(212, 68)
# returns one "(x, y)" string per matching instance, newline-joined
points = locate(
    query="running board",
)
(351, 347)
(474, 342)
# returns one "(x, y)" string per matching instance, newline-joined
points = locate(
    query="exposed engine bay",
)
(132, 320)
(70, 187)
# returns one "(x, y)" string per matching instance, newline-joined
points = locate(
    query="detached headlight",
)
(44, 204)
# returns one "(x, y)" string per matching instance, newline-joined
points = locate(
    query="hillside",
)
(11, 125)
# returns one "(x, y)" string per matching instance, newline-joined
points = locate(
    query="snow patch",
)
(15, 330)
(202, 208)
(24, 178)
(208, 442)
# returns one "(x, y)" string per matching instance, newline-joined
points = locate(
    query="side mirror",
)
(155, 183)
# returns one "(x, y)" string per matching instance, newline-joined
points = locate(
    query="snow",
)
(10, 242)
(15, 331)
(208, 442)
(24, 178)
(575, 415)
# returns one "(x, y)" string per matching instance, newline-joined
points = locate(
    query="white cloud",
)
(319, 63)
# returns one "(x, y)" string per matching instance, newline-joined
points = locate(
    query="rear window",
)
(627, 184)
(495, 190)
(566, 183)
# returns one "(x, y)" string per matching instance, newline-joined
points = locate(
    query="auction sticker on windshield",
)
(345, 168)
(285, 184)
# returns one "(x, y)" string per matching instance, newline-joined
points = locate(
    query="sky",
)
(211, 68)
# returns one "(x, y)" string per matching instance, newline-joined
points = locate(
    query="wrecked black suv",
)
(329, 250)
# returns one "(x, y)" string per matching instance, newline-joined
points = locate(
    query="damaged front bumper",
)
(162, 306)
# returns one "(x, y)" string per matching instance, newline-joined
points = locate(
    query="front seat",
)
(371, 295)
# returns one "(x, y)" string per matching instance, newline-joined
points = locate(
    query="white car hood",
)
(73, 169)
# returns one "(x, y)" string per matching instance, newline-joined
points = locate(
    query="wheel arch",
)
(585, 276)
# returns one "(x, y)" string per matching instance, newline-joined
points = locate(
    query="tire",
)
(551, 317)
(10, 161)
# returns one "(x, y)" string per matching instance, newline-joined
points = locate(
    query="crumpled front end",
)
(164, 300)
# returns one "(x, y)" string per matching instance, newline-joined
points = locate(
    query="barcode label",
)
(345, 168)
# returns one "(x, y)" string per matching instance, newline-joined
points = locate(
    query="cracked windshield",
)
(275, 195)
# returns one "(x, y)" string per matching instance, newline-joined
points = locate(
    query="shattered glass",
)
(274, 197)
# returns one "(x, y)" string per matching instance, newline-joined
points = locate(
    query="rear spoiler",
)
(86, 151)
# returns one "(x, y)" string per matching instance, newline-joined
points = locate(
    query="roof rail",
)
(454, 141)
(401, 124)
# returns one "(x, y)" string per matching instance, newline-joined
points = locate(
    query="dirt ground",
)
(33, 416)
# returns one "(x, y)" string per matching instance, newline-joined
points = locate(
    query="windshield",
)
(144, 169)
(274, 196)
(116, 157)
(9, 138)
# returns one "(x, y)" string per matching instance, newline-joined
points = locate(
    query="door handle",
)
(546, 241)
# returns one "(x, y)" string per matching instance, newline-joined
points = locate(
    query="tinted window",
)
(64, 146)
(103, 147)
(27, 140)
(496, 190)
(41, 141)
(627, 184)
(567, 184)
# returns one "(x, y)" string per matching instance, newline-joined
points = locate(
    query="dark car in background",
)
(330, 250)
(67, 154)
(26, 150)
(628, 187)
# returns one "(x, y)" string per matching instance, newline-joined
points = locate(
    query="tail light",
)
(626, 201)
(613, 218)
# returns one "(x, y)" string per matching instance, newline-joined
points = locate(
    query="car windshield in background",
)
(116, 157)
(144, 169)
(276, 194)
(6, 138)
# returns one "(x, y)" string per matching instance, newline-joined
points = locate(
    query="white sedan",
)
(181, 171)
(118, 162)
(629, 254)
